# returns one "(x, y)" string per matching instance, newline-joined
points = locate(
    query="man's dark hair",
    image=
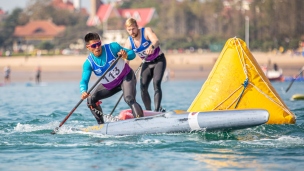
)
(91, 36)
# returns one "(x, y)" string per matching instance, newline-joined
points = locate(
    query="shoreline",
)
(192, 66)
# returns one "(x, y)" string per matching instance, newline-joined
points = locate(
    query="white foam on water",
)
(291, 140)
(28, 127)
(151, 141)
(82, 143)
(283, 141)
(49, 126)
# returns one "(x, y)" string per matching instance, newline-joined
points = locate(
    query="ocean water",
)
(29, 113)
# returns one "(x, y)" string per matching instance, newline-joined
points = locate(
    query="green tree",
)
(46, 45)
(7, 28)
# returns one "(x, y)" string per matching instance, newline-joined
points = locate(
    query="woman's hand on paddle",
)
(123, 54)
(84, 95)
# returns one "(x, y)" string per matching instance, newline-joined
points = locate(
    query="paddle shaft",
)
(144, 60)
(294, 80)
(91, 89)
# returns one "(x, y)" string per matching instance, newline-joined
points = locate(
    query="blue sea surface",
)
(28, 114)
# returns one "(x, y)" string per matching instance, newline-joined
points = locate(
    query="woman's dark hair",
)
(91, 36)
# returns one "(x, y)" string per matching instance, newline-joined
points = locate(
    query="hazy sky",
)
(9, 5)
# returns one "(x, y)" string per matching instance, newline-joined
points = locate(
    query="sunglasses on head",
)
(95, 45)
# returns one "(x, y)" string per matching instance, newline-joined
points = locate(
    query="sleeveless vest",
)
(115, 75)
(144, 44)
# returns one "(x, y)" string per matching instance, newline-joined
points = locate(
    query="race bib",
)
(114, 72)
(142, 54)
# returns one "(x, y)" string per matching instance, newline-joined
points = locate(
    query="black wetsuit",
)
(7, 73)
(38, 76)
(128, 85)
(153, 70)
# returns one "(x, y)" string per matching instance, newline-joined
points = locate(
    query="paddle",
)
(294, 79)
(143, 61)
(91, 89)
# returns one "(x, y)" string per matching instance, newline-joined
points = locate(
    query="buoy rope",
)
(242, 55)
(279, 104)
(237, 42)
(227, 98)
(246, 73)
(245, 84)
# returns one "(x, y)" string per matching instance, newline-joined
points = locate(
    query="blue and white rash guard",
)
(144, 45)
(100, 64)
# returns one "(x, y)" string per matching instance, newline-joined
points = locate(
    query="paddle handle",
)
(116, 104)
(71, 112)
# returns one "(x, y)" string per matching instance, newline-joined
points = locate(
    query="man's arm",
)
(150, 35)
(86, 74)
(115, 47)
(128, 46)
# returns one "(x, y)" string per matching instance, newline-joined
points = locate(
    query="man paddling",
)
(145, 44)
(120, 77)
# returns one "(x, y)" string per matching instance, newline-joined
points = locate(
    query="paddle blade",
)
(55, 130)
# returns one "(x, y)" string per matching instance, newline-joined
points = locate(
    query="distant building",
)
(142, 15)
(63, 4)
(35, 32)
(109, 11)
(103, 14)
(69, 5)
(111, 19)
(2, 14)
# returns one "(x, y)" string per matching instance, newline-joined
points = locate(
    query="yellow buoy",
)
(237, 82)
(297, 97)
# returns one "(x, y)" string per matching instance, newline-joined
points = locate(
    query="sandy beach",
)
(181, 66)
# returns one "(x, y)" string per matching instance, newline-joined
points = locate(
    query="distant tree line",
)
(184, 24)
(197, 23)
(75, 23)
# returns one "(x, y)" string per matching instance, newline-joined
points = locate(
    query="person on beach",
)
(144, 42)
(120, 77)
(38, 74)
(7, 73)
